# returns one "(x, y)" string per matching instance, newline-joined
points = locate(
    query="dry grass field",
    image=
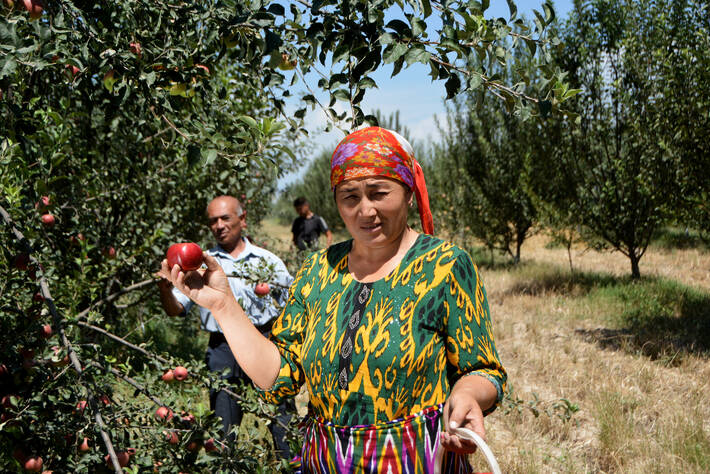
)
(605, 374)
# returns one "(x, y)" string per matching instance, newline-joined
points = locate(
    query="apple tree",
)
(120, 120)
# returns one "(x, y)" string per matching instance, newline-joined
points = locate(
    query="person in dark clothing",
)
(308, 227)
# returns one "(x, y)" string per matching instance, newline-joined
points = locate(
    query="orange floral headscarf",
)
(375, 151)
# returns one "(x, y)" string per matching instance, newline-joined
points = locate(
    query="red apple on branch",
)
(136, 48)
(164, 413)
(168, 376)
(80, 406)
(172, 437)
(46, 331)
(48, 220)
(187, 255)
(44, 201)
(180, 373)
(34, 7)
(84, 446)
(261, 289)
(124, 457)
(210, 445)
(33, 464)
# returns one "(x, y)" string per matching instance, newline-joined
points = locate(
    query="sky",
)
(418, 100)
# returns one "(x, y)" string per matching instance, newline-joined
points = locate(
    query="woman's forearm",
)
(479, 388)
(257, 356)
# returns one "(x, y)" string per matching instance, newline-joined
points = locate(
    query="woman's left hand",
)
(463, 409)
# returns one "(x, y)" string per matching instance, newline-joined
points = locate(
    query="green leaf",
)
(249, 121)
(426, 7)
(417, 55)
(7, 66)
(393, 52)
(513, 9)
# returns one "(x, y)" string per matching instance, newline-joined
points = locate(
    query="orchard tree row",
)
(636, 158)
(629, 156)
(120, 120)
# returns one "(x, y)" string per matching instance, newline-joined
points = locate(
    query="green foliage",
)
(484, 150)
(612, 174)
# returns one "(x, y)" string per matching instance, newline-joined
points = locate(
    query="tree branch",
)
(59, 324)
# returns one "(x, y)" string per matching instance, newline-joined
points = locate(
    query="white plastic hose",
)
(465, 433)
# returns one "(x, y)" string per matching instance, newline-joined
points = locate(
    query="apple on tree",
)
(262, 289)
(164, 413)
(180, 373)
(168, 376)
(48, 220)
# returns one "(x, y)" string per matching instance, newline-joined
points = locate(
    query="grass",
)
(631, 355)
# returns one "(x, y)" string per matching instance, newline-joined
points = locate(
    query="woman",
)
(389, 331)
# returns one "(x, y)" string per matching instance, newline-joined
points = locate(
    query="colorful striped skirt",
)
(408, 445)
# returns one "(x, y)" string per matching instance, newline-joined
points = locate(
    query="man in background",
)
(308, 227)
(226, 219)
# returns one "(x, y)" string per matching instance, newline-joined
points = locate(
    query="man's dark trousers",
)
(219, 357)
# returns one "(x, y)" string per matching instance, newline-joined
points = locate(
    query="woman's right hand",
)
(208, 288)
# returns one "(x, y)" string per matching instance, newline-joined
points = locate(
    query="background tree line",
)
(629, 157)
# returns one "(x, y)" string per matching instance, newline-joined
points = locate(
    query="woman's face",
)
(374, 210)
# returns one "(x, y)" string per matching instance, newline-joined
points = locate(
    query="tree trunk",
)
(635, 273)
(569, 255)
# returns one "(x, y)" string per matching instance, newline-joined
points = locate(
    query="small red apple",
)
(76, 239)
(21, 261)
(109, 252)
(187, 255)
(6, 401)
(164, 413)
(48, 220)
(44, 201)
(37, 297)
(33, 464)
(168, 376)
(3, 370)
(34, 7)
(73, 70)
(80, 406)
(123, 457)
(193, 446)
(172, 437)
(204, 68)
(180, 373)
(189, 418)
(262, 289)
(46, 331)
(105, 400)
(210, 445)
(136, 48)
(84, 446)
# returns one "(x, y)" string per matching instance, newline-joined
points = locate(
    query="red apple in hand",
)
(180, 373)
(261, 289)
(46, 331)
(187, 255)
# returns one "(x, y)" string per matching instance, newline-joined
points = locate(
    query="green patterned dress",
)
(379, 359)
